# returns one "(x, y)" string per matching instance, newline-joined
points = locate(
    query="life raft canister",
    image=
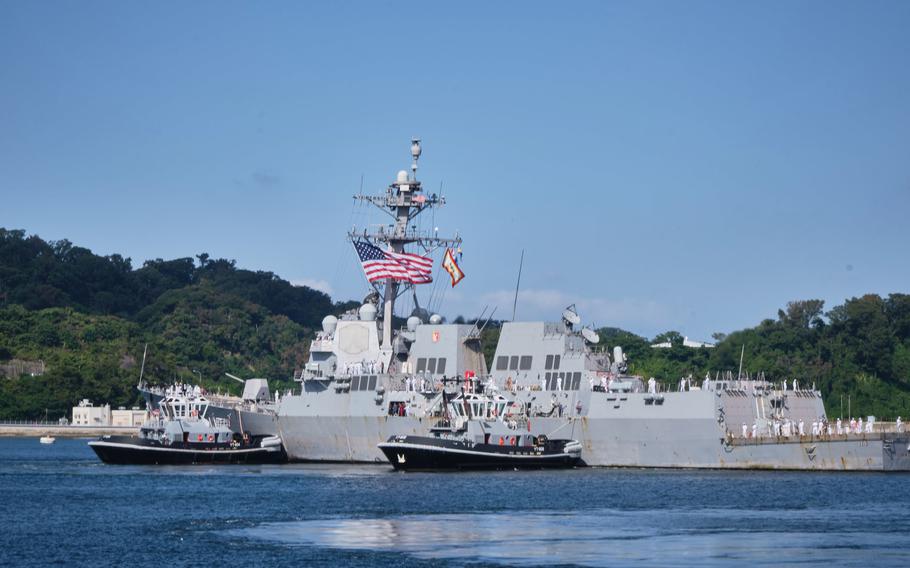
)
(211, 437)
(513, 441)
(502, 442)
(200, 437)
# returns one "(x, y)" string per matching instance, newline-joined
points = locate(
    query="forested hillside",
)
(73, 325)
(88, 317)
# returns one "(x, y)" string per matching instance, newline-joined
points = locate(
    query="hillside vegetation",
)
(87, 318)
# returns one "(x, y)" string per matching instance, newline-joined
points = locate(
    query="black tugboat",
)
(179, 433)
(479, 430)
(424, 453)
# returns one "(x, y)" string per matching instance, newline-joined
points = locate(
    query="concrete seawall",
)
(58, 431)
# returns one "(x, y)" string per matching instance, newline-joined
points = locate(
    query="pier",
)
(38, 429)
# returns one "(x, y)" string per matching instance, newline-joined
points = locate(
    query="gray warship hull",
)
(615, 430)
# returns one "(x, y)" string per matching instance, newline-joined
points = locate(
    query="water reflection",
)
(604, 537)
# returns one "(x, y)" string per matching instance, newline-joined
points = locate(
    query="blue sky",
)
(672, 165)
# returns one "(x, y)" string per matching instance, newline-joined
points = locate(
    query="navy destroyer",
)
(366, 382)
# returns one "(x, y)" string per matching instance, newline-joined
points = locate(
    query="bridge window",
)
(555, 361)
(576, 380)
(513, 363)
(549, 363)
(355, 383)
(421, 364)
(372, 383)
(525, 363)
(431, 365)
(441, 366)
(551, 381)
(502, 363)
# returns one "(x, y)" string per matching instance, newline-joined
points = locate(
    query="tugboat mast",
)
(403, 201)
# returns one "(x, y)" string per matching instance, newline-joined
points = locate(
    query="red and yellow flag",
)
(450, 266)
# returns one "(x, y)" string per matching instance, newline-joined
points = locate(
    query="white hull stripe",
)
(397, 445)
(180, 450)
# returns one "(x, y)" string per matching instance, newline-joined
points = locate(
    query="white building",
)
(696, 344)
(128, 417)
(87, 414)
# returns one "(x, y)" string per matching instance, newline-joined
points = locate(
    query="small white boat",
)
(47, 439)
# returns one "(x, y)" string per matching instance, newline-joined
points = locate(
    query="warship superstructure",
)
(366, 382)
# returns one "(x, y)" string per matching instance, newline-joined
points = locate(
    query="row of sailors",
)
(786, 428)
(182, 389)
(363, 368)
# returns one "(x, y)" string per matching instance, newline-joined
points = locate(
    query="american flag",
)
(405, 267)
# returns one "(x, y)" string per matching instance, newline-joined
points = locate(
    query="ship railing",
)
(879, 431)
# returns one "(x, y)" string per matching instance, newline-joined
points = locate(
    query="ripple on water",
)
(606, 537)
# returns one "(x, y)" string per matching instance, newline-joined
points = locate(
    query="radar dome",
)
(329, 323)
(435, 319)
(368, 312)
(617, 354)
(413, 322)
(422, 314)
(402, 176)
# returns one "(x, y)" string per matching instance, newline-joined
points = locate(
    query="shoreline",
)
(59, 431)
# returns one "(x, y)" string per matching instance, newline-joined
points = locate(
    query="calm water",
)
(59, 505)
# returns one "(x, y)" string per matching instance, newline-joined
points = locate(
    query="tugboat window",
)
(525, 363)
(502, 363)
(421, 364)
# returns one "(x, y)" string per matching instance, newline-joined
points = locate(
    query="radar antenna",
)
(570, 316)
(403, 201)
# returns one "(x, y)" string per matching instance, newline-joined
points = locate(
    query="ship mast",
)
(403, 201)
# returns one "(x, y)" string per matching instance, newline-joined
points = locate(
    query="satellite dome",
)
(413, 322)
(435, 319)
(329, 323)
(368, 312)
(402, 176)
